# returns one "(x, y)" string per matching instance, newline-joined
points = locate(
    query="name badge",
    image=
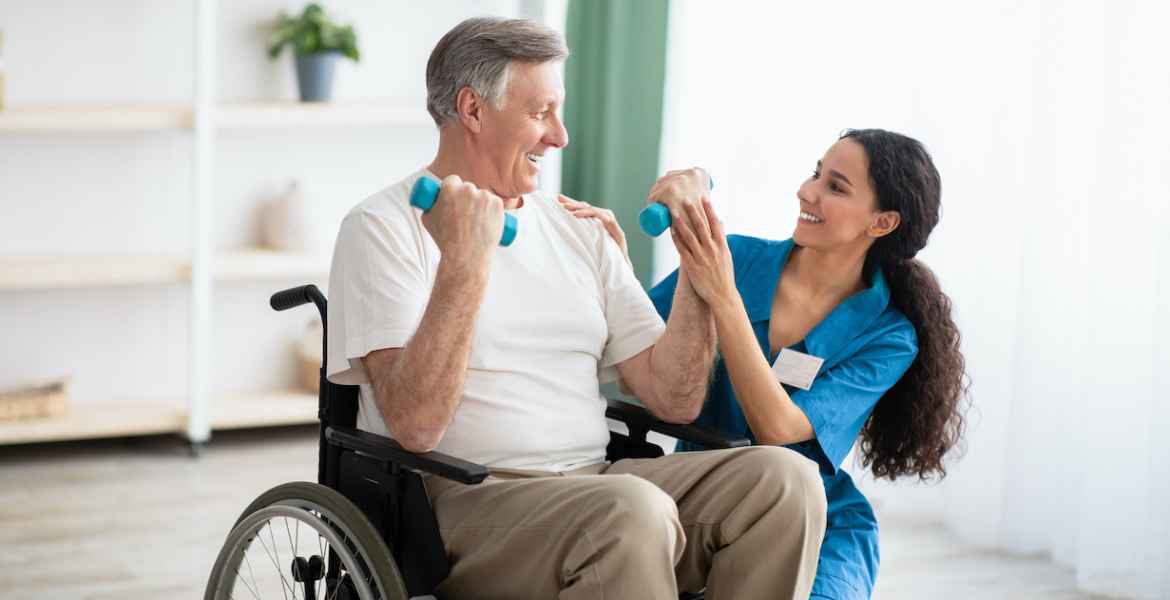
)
(797, 368)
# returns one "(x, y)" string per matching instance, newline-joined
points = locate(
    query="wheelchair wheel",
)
(304, 540)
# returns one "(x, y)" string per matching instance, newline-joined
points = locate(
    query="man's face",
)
(515, 137)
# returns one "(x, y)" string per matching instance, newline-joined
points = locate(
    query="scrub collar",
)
(851, 318)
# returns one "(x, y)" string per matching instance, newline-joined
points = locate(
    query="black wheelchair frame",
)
(382, 478)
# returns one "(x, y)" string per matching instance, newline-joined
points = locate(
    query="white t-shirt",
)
(561, 309)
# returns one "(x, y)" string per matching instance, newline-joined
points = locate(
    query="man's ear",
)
(469, 107)
(884, 223)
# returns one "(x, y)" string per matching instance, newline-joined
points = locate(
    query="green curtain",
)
(614, 81)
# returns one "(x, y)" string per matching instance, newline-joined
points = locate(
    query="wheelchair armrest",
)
(637, 417)
(435, 463)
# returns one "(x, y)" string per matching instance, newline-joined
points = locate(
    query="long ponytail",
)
(921, 418)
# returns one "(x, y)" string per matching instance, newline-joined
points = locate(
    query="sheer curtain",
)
(1050, 124)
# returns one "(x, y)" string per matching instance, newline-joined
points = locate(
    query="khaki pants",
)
(744, 523)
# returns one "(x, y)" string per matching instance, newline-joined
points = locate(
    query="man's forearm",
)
(681, 360)
(423, 388)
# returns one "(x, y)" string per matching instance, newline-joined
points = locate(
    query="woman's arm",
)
(772, 415)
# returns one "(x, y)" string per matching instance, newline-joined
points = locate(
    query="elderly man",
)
(494, 354)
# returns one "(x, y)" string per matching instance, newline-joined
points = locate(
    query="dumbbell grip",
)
(655, 218)
(425, 192)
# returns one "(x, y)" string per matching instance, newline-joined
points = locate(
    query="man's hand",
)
(466, 222)
(679, 189)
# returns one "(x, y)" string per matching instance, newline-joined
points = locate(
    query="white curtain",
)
(1050, 124)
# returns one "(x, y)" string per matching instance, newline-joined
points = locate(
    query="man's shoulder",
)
(390, 204)
(589, 231)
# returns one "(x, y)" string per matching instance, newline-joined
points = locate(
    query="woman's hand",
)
(705, 257)
(584, 210)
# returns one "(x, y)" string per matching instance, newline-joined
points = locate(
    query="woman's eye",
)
(834, 187)
(542, 114)
(815, 174)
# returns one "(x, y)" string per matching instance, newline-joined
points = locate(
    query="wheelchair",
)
(365, 530)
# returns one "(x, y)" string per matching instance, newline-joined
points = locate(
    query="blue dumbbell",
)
(426, 191)
(655, 219)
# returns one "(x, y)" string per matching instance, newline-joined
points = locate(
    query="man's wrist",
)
(464, 270)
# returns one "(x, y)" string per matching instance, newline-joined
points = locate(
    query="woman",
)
(845, 290)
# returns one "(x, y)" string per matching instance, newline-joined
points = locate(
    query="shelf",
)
(50, 119)
(238, 411)
(104, 420)
(236, 116)
(41, 273)
(124, 419)
(79, 272)
(260, 265)
(281, 115)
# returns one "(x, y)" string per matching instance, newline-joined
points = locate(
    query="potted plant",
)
(317, 42)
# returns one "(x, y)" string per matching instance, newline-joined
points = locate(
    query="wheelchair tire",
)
(343, 527)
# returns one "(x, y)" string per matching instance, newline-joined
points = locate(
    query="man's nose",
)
(557, 136)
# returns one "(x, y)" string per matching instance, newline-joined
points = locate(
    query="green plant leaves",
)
(312, 32)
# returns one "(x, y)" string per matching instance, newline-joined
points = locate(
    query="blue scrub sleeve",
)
(842, 397)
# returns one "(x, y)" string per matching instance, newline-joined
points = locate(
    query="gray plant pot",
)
(315, 75)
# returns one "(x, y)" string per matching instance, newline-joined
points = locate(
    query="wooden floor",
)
(140, 518)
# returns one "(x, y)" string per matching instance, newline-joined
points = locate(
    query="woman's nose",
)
(805, 196)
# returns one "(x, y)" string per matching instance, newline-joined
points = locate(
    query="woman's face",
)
(838, 205)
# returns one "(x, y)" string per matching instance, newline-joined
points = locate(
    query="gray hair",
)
(477, 54)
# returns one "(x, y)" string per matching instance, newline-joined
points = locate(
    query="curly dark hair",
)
(921, 418)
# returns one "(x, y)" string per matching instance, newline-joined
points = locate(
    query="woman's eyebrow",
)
(835, 174)
(839, 175)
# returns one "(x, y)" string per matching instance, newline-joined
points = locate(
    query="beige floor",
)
(135, 519)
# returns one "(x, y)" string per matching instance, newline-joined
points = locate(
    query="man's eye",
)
(834, 187)
(542, 114)
(815, 174)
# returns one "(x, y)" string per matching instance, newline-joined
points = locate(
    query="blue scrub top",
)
(867, 345)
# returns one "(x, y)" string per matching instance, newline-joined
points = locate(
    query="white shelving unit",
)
(250, 264)
(201, 270)
(73, 119)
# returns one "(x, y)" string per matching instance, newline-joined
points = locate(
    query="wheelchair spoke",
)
(276, 550)
(250, 588)
(275, 563)
(248, 561)
(288, 534)
(293, 547)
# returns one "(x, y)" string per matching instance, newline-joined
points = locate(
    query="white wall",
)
(1048, 123)
(129, 193)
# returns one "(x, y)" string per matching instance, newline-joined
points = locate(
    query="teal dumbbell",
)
(655, 219)
(426, 191)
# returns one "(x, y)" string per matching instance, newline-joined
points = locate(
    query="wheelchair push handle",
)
(425, 192)
(294, 297)
(655, 219)
(290, 298)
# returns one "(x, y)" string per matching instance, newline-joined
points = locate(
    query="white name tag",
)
(797, 368)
